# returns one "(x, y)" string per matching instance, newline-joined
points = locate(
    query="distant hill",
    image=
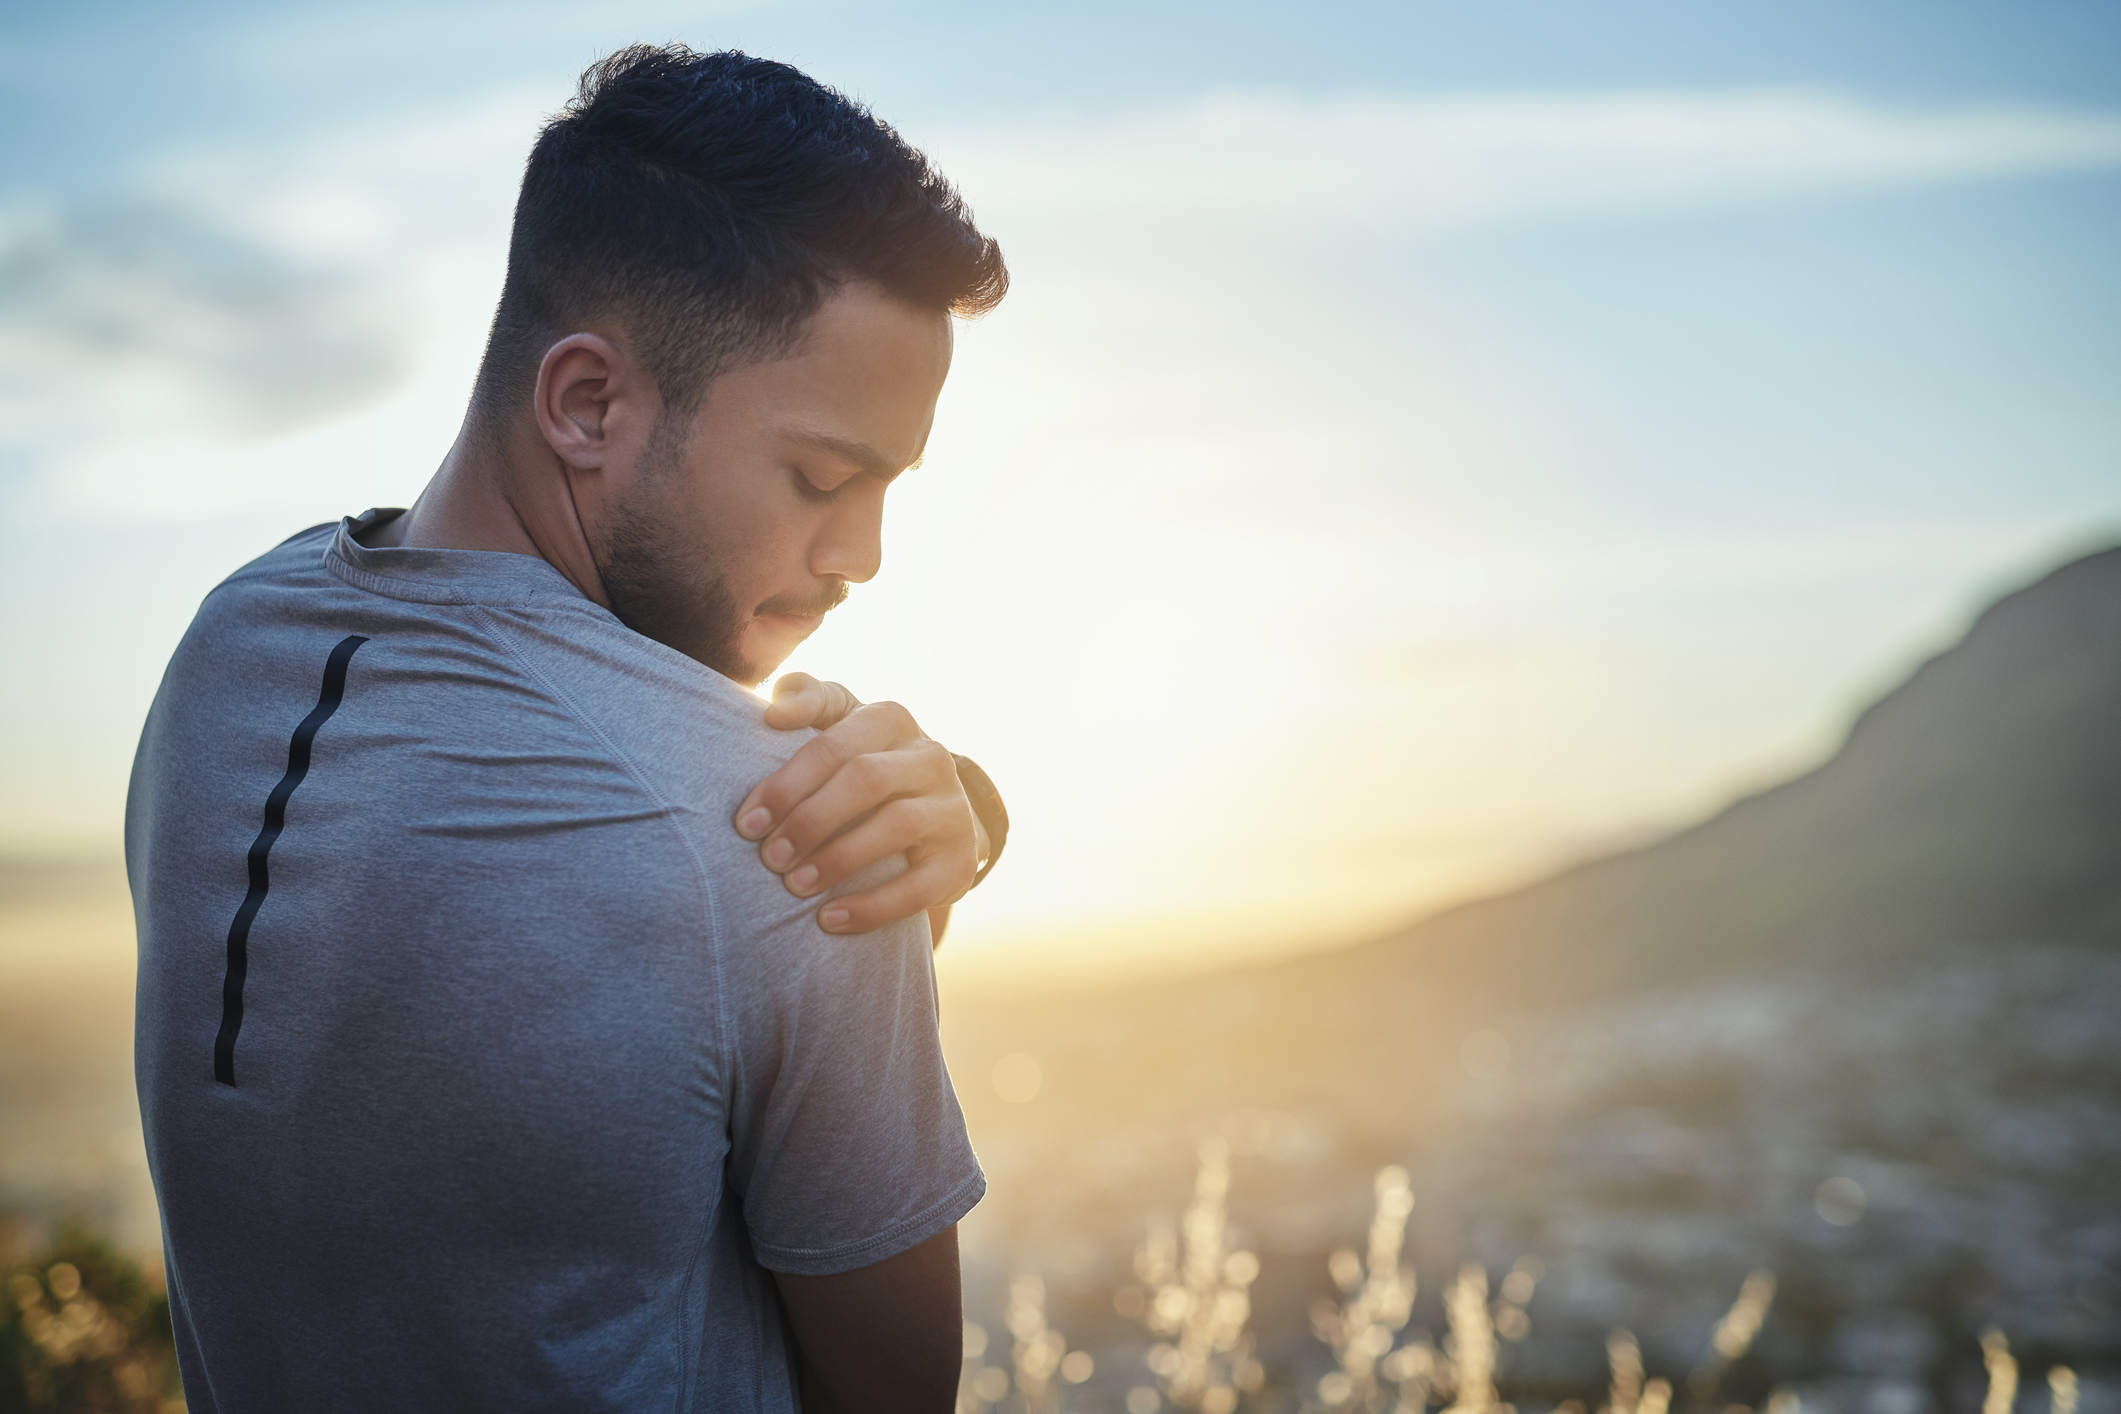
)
(1978, 803)
(1898, 969)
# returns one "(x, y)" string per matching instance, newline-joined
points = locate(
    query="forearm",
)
(883, 1339)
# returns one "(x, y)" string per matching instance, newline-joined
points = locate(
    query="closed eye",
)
(811, 491)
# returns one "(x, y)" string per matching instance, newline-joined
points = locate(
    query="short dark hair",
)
(707, 202)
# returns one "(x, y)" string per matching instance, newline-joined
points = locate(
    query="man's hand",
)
(881, 1339)
(870, 787)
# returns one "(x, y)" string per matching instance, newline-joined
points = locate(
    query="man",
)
(493, 1071)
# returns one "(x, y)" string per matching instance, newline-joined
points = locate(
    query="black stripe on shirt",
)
(275, 820)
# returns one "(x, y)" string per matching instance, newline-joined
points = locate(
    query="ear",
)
(589, 402)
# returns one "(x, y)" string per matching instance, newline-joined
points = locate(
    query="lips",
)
(811, 608)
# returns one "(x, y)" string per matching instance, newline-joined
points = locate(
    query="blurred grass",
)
(85, 1330)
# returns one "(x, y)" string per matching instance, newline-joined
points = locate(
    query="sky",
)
(1424, 442)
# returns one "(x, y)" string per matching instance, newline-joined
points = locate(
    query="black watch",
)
(987, 804)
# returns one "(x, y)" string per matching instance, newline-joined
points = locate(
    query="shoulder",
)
(697, 743)
(690, 733)
(257, 638)
(691, 739)
(298, 558)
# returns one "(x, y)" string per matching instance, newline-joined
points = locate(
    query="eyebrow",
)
(868, 458)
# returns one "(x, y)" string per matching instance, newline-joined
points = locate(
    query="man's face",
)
(740, 531)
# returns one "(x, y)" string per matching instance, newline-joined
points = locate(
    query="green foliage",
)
(85, 1329)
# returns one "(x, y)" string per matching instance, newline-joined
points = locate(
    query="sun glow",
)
(1283, 596)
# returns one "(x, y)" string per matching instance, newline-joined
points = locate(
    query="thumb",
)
(837, 703)
(798, 701)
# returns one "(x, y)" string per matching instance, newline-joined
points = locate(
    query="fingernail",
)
(755, 823)
(779, 854)
(804, 880)
(833, 919)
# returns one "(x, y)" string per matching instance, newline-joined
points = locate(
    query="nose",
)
(850, 544)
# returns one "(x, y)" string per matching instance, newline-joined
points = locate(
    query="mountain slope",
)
(1898, 969)
(1978, 802)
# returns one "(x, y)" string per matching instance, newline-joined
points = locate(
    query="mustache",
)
(818, 605)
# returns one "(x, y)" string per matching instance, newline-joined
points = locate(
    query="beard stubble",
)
(668, 586)
(663, 584)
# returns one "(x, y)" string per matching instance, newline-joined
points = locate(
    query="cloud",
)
(1403, 164)
(254, 293)
(250, 294)
(138, 313)
(178, 340)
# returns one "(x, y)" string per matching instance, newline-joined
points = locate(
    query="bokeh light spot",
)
(1017, 1078)
(1840, 1201)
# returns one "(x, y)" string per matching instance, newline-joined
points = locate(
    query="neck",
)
(505, 492)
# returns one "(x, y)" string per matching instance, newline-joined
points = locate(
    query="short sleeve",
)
(847, 1144)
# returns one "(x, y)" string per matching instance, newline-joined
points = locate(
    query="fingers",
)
(868, 787)
(772, 799)
(878, 727)
(897, 827)
(927, 883)
(920, 770)
(800, 700)
(922, 826)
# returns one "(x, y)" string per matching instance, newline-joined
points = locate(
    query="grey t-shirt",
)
(483, 1065)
